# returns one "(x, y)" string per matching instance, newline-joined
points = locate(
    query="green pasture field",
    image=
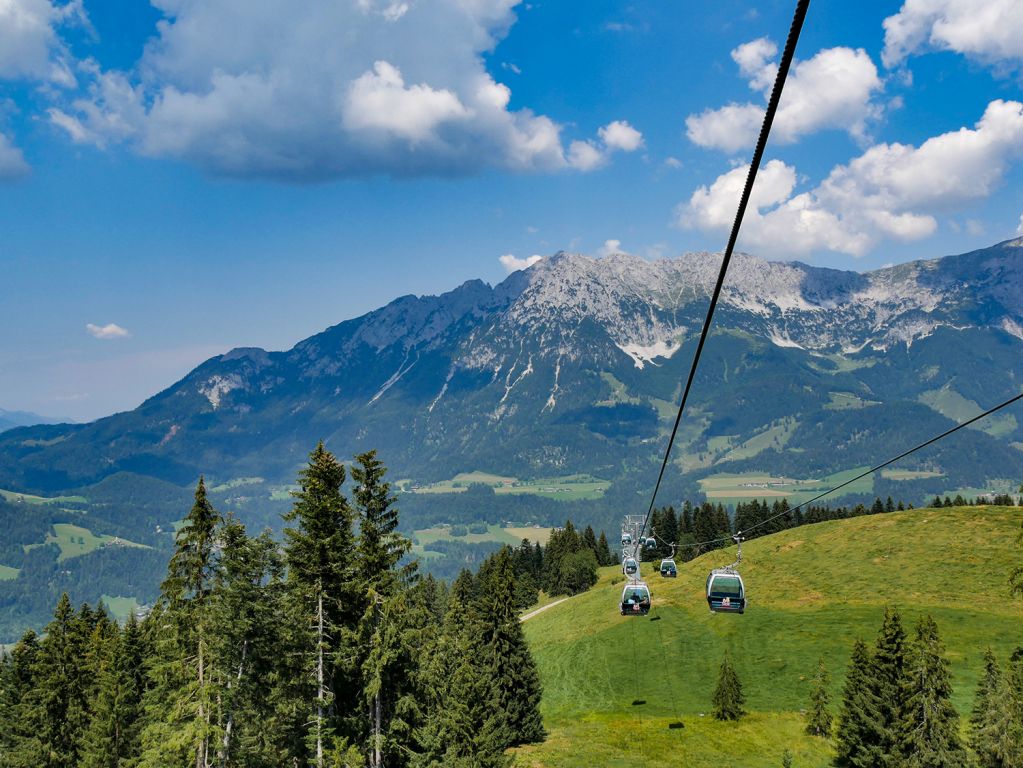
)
(74, 540)
(28, 498)
(909, 474)
(952, 405)
(120, 607)
(812, 591)
(7, 573)
(841, 401)
(567, 487)
(734, 488)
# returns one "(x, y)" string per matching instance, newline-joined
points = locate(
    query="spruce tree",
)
(515, 683)
(179, 704)
(59, 702)
(888, 676)
(728, 698)
(996, 735)
(461, 726)
(818, 716)
(19, 715)
(604, 554)
(324, 602)
(858, 732)
(112, 739)
(929, 734)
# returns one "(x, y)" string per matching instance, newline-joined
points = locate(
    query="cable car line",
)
(758, 154)
(862, 475)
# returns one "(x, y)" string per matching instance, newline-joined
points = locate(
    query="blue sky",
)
(181, 178)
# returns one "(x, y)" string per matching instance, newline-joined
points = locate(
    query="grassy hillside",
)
(812, 591)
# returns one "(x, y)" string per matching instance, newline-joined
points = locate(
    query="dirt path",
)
(531, 614)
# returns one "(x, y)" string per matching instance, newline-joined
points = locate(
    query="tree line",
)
(326, 650)
(707, 522)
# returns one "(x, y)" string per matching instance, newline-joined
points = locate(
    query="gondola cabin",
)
(635, 599)
(725, 591)
(668, 568)
(630, 567)
(650, 543)
(626, 539)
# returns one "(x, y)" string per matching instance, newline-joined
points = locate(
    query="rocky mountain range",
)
(574, 366)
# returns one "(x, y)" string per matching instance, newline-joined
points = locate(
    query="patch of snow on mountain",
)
(1011, 326)
(641, 354)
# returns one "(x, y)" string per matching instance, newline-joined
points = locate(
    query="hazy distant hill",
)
(12, 419)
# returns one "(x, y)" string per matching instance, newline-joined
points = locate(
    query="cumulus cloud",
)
(109, 331)
(616, 136)
(12, 162)
(512, 263)
(891, 191)
(834, 89)
(990, 31)
(619, 135)
(322, 90)
(30, 47)
(611, 247)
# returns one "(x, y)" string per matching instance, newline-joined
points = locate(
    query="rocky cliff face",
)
(574, 365)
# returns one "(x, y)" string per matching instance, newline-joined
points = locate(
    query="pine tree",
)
(818, 716)
(112, 739)
(996, 735)
(179, 703)
(19, 742)
(930, 724)
(514, 679)
(888, 675)
(325, 604)
(858, 733)
(461, 726)
(59, 700)
(604, 554)
(728, 698)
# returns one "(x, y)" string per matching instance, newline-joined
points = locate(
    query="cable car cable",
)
(758, 154)
(860, 476)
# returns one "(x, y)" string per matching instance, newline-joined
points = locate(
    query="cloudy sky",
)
(184, 177)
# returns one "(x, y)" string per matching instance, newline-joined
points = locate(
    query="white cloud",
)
(620, 135)
(729, 128)
(990, 31)
(891, 191)
(30, 47)
(379, 103)
(834, 89)
(12, 162)
(325, 89)
(611, 247)
(512, 263)
(1019, 228)
(672, 162)
(109, 331)
(586, 156)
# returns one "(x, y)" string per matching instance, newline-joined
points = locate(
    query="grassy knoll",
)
(7, 573)
(74, 540)
(28, 498)
(841, 401)
(812, 591)
(952, 405)
(120, 607)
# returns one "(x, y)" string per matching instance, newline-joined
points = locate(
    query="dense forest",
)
(328, 649)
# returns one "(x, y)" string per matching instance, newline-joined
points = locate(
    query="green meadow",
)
(812, 590)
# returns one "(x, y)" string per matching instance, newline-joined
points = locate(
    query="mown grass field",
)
(512, 536)
(730, 488)
(566, 488)
(812, 591)
(28, 498)
(7, 573)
